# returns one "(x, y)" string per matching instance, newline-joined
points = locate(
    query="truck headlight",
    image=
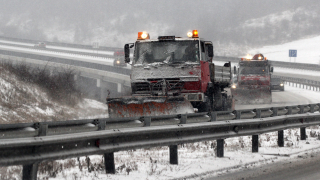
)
(233, 86)
(281, 84)
(118, 62)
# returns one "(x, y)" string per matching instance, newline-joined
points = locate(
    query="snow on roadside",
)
(24, 102)
(198, 160)
(308, 51)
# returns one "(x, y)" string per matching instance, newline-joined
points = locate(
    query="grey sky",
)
(126, 17)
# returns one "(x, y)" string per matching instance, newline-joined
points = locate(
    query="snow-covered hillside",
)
(277, 18)
(308, 51)
(272, 29)
(26, 102)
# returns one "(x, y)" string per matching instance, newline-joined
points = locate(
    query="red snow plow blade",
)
(147, 106)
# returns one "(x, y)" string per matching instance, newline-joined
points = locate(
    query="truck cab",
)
(253, 80)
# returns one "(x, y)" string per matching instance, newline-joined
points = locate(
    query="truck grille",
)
(254, 82)
(155, 85)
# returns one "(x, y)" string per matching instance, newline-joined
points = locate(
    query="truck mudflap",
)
(147, 106)
(252, 96)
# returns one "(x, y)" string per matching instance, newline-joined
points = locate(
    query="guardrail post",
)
(220, 147)
(255, 143)
(173, 149)
(280, 138)
(238, 114)
(312, 108)
(301, 107)
(109, 163)
(101, 124)
(303, 133)
(213, 116)
(43, 129)
(258, 113)
(29, 171)
(108, 157)
(183, 119)
(147, 121)
(289, 110)
(275, 111)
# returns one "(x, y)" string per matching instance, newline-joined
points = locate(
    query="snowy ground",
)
(22, 102)
(308, 51)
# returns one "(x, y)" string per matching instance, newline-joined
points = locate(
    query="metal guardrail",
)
(29, 151)
(81, 46)
(69, 62)
(313, 67)
(8, 131)
(21, 150)
(315, 85)
(292, 65)
(91, 54)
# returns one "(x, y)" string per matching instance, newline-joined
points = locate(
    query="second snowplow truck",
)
(253, 81)
(173, 75)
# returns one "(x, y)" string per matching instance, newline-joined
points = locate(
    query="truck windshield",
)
(253, 70)
(168, 52)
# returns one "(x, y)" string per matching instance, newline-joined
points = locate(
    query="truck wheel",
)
(205, 106)
(217, 96)
(227, 103)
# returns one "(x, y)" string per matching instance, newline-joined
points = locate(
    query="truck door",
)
(205, 72)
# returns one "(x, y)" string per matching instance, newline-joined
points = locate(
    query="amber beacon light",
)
(193, 34)
(143, 36)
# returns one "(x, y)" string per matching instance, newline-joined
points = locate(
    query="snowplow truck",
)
(253, 81)
(173, 75)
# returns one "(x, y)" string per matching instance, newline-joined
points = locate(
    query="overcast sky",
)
(165, 17)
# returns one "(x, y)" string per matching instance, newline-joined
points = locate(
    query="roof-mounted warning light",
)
(193, 34)
(143, 36)
(247, 58)
(258, 57)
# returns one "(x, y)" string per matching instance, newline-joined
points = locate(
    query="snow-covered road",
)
(291, 96)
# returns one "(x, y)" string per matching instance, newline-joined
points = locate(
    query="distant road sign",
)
(292, 53)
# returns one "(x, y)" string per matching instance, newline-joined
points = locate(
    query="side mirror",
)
(271, 69)
(210, 51)
(126, 53)
(234, 70)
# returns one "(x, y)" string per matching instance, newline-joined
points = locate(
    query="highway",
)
(291, 96)
(301, 167)
(93, 51)
(50, 51)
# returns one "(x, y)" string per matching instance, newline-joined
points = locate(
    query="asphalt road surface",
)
(291, 96)
(302, 167)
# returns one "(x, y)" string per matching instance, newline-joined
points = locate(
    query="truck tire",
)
(217, 97)
(205, 106)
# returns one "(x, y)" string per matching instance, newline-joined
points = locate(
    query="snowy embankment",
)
(21, 101)
(308, 51)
